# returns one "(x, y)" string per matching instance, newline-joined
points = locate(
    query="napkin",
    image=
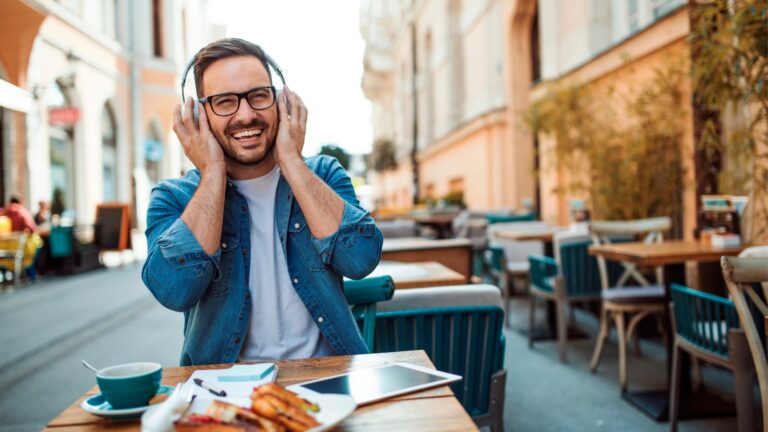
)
(238, 381)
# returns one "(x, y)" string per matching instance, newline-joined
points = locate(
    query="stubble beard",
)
(229, 147)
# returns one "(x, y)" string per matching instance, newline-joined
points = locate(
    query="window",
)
(153, 155)
(61, 155)
(633, 16)
(663, 7)
(108, 156)
(157, 28)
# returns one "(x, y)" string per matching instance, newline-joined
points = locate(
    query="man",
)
(21, 219)
(252, 245)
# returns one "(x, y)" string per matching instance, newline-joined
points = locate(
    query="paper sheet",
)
(238, 381)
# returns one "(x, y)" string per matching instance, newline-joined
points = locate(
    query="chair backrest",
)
(499, 218)
(363, 295)
(755, 252)
(527, 226)
(740, 276)
(61, 241)
(459, 327)
(605, 232)
(576, 265)
(542, 272)
(703, 319)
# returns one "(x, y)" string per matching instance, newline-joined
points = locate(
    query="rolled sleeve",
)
(177, 270)
(354, 250)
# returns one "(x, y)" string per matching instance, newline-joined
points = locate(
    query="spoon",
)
(89, 366)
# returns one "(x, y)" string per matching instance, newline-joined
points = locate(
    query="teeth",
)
(247, 133)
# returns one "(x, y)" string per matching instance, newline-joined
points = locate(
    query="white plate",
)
(97, 405)
(333, 409)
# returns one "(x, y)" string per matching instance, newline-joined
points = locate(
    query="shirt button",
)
(237, 340)
(182, 260)
(245, 251)
(224, 245)
(295, 280)
(320, 320)
(244, 207)
(296, 225)
(229, 184)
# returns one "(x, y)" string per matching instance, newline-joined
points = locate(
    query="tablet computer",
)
(377, 383)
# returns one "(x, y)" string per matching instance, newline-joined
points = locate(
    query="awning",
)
(15, 98)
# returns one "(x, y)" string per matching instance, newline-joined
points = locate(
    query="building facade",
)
(96, 81)
(455, 77)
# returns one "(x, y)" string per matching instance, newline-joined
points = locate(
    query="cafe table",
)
(455, 254)
(672, 255)
(435, 409)
(544, 235)
(407, 275)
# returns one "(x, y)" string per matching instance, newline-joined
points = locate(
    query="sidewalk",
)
(106, 316)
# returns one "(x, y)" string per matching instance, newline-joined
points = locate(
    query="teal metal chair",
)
(363, 295)
(707, 327)
(61, 242)
(495, 218)
(448, 323)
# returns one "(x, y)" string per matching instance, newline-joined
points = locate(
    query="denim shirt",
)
(212, 290)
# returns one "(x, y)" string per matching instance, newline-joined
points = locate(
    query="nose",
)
(244, 112)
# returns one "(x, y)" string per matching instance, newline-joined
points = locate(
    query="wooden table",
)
(429, 410)
(441, 222)
(672, 254)
(419, 274)
(455, 254)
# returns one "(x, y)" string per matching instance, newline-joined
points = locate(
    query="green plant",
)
(335, 151)
(382, 156)
(730, 77)
(454, 198)
(627, 162)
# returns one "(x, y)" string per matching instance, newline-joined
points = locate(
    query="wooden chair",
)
(14, 255)
(571, 277)
(706, 327)
(741, 275)
(621, 300)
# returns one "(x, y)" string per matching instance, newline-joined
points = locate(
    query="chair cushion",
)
(634, 294)
(448, 296)
(518, 266)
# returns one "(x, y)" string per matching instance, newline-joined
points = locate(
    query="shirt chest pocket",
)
(230, 245)
(301, 239)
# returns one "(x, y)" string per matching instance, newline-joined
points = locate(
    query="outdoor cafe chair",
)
(363, 295)
(706, 327)
(460, 328)
(621, 300)
(743, 276)
(507, 260)
(572, 276)
(13, 255)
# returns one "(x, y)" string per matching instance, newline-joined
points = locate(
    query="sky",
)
(318, 46)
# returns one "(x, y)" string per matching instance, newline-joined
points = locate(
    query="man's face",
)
(247, 136)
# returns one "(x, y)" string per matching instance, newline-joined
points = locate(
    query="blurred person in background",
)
(21, 218)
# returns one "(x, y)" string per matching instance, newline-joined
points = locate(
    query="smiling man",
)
(253, 244)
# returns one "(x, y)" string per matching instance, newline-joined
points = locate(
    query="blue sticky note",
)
(230, 377)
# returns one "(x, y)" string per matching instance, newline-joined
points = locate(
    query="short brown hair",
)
(223, 48)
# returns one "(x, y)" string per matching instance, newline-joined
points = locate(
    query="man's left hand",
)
(293, 126)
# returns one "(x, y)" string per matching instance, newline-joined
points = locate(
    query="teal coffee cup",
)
(129, 385)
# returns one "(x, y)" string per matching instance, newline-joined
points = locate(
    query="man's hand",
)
(196, 138)
(293, 126)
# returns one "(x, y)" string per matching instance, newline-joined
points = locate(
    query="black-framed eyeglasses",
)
(226, 104)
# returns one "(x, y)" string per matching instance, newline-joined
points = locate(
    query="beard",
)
(255, 156)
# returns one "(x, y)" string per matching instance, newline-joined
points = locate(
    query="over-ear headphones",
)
(270, 64)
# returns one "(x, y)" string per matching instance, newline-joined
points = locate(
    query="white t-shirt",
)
(280, 327)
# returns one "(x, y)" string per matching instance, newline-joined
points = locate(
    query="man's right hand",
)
(199, 144)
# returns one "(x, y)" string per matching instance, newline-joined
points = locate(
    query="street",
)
(106, 317)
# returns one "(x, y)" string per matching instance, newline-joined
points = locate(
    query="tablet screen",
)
(374, 384)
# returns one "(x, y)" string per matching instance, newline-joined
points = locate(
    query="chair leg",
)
(562, 328)
(602, 335)
(632, 334)
(674, 391)
(744, 377)
(531, 318)
(621, 330)
(697, 381)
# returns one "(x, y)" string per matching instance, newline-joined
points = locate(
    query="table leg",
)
(699, 404)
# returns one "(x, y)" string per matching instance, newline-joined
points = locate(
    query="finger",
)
(203, 118)
(178, 126)
(281, 108)
(188, 115)
(292, 98)
(303, 111)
